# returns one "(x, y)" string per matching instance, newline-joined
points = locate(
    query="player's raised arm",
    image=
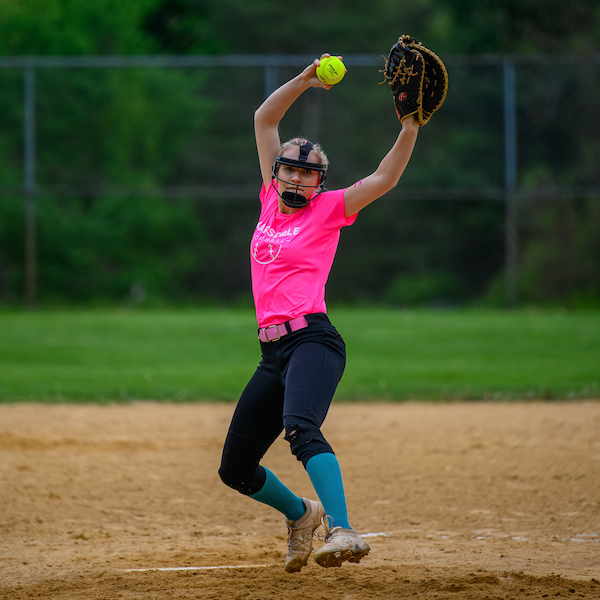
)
(419, 81)
(388, 173)
(272, 110)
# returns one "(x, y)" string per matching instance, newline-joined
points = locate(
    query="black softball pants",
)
(291, 389)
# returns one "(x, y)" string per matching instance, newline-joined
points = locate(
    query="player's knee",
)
(245, 481)
(305, 441)
(233, 479)
(227, 476)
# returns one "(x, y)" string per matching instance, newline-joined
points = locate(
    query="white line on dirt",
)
(197, 568)
(213, 568)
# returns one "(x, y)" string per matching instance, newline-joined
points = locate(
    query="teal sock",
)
(326, 476)
(276, 494)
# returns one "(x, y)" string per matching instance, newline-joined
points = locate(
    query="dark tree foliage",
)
(514, 26)
(144, 131)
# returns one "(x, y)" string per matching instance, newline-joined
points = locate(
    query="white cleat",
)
(341, 545)
(300, 535)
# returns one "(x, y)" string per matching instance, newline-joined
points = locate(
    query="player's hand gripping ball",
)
(331, 70)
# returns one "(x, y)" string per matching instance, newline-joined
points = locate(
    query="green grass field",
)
(119, 355)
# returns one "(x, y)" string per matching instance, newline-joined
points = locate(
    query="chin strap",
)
(294, 199)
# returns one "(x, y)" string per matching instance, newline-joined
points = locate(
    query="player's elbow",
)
(386, 183)
(263, 118)
(257, 116)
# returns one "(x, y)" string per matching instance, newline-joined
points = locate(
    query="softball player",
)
(303, 355)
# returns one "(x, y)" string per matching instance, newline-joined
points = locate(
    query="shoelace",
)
(293, 542)
(327, 527)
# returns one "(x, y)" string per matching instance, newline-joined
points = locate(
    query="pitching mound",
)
(461, 501)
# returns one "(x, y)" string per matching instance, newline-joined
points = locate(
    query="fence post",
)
(271, 79)
(510, 180)
(30, 188)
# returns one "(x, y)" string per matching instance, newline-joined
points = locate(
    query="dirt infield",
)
(461, 501)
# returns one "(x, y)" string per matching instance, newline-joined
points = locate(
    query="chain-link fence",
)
(515, 148)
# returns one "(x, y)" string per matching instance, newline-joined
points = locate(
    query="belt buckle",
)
(274, 339)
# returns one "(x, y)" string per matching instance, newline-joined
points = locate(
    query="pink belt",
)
(276, 332)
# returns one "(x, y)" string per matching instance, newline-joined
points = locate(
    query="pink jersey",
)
(291, 255)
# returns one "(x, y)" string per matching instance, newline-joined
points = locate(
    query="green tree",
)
(98, 128)
(74, 27)
(155, 128)
(273, 27)
(514, 26)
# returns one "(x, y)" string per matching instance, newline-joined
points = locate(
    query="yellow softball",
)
(331, 70)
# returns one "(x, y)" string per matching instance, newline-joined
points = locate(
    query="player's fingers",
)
(316, 82)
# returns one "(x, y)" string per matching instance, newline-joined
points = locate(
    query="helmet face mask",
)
(294, 199)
